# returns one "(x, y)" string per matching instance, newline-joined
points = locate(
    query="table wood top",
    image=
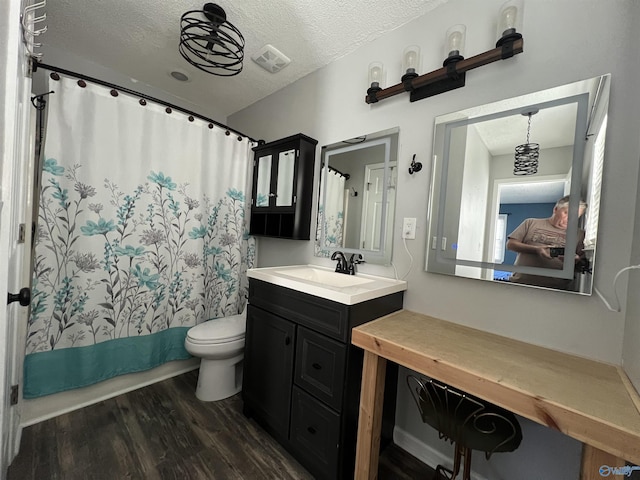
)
(585, 399)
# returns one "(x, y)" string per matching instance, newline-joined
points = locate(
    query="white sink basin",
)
(324, 282)
(324, 277)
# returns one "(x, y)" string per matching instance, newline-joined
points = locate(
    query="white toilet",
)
(220, 344)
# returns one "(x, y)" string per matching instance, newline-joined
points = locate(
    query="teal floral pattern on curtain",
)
(142, 233)
(166, 259)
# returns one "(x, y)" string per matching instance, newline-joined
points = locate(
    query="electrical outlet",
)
(409, 228)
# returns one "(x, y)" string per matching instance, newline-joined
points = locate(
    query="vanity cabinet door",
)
(268, 369)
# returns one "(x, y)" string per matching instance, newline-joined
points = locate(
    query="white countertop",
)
(325, 283)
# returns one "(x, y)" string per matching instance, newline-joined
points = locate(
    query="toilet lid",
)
(218, 330)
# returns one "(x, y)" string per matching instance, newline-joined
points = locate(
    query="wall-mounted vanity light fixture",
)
(452, 74)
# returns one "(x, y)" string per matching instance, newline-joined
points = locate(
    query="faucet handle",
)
(353, 261)
(356, 260)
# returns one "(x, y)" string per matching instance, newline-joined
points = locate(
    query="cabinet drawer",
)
(320, 364)
(315, 431)
(319, 314)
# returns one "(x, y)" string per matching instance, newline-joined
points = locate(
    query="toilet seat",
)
(218, 330)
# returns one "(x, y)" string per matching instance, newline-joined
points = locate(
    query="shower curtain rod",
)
(345, 175)
(69, 73)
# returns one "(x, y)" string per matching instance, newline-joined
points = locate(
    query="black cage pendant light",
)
(211, 44)
(527, 154)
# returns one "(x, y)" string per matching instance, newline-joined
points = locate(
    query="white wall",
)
(565, 41)
(329, 105)
(631, 352)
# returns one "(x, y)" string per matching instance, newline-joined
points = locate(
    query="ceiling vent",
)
(271, 59)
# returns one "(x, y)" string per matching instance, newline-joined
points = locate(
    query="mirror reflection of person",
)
(534, 239)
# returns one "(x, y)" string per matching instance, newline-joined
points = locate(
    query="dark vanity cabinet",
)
(281, 199)
(302, 376)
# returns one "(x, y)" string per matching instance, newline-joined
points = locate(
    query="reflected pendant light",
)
(211, 44)
(526, 155)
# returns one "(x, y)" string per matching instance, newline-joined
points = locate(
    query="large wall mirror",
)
(357, 196)
(479, 200)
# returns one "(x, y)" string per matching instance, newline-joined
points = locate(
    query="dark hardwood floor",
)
(164, 432)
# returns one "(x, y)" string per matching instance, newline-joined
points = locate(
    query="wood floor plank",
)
(163, 432)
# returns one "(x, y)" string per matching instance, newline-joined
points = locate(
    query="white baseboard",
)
(424, 452)
(39, 409)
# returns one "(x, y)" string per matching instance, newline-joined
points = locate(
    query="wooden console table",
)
(590, 401)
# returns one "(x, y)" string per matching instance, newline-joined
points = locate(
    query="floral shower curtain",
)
(141, 235)
(331, 213)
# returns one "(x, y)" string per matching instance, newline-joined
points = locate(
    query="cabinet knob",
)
(287, 340)
(273, 195)
(311, 430)
(317, 366)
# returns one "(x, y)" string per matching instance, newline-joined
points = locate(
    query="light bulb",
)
(376, 74)
(509, 16)
(411, 59)
(454, 42)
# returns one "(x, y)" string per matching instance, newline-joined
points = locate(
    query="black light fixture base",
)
(215, 13)
(406, 80)
(371, 94)
(508, 36)
(437, 87)
(452, 59)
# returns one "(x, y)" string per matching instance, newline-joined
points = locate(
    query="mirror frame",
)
(382, 255)
(443, 128)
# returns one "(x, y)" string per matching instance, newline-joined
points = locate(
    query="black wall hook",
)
(415, 166)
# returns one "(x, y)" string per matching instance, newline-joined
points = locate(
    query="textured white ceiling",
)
(140, 39)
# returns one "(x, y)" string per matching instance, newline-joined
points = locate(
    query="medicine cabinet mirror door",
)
(356, 208)
(476, 200)
(275, 182)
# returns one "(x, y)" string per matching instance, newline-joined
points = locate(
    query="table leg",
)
(370, 416)
(593, 459)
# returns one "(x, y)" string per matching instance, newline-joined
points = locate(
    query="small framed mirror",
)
(356, 207)
(516, 188)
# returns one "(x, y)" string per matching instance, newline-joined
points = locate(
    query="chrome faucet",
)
(353, 261)
(342, 266)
